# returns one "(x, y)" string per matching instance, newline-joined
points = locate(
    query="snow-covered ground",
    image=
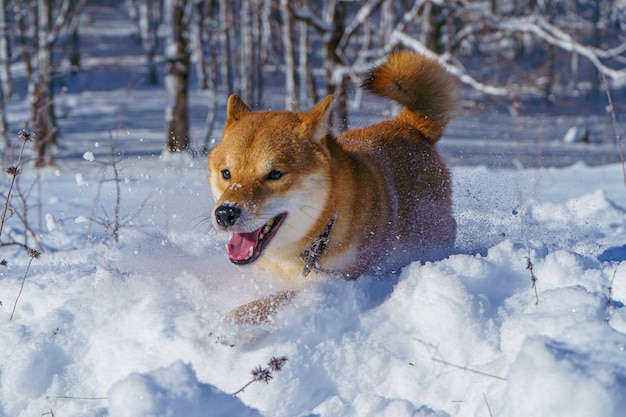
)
(131, 328)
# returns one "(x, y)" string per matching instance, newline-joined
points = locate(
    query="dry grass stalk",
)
(617, 136)
(486, 402)
(33, 255)
(464, 368)
(260, 374)
(609, 300)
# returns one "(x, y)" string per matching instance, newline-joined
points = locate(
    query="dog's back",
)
(417, 181)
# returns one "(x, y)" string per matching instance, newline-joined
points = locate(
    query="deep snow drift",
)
(130, 329)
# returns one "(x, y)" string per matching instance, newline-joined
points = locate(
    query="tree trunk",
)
(212, 72)
(5, 75)
(178, 65)
(291, 98)
(337, 84)
(596, 86)
(245, 58)
(75, 53)
(4, 129)
(148, 12)
(226, 29)
(40, 86)
(306, 84)
(5, 69)
(200, 39)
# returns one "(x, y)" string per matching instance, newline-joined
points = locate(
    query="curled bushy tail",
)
(422, 85)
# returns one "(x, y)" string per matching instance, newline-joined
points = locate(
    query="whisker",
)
(203, 220)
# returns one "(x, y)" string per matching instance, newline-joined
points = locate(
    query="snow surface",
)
(130, 329)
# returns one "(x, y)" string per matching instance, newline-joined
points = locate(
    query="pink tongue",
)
(240, 244)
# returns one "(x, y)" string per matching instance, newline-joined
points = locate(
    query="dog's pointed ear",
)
(236, 108)
(316, 118)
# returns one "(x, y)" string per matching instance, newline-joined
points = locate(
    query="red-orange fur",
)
(386, 184)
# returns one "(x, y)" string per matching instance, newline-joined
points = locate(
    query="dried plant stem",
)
(533, 278)
(14, 172)
(486, 402)
(464, 368)
(617, 136)
(242, 389)
(116, 178)
(609, 300)
(522, 211)
(264, 374)
(69, 397)
(33, 255)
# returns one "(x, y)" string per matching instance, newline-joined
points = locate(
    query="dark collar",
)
(311, 254)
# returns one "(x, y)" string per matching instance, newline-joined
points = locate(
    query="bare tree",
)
(506, 49)
(226, 35)
(147, 16)
(5, 60)
(343, 27)
(177, 79)
(38, 25)
(306, 80)
(291, 97)
(207, 31)
(251, 47)
(5, 73)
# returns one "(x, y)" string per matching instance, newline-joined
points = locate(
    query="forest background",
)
(515, 55)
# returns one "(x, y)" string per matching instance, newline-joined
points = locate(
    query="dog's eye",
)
(226, 174)
(275, 174)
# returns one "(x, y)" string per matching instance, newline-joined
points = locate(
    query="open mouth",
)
(245, 248)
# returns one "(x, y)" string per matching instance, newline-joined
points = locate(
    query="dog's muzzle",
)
(227, 215)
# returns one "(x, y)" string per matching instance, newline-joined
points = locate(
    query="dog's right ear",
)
(236, 108)
(316, 118)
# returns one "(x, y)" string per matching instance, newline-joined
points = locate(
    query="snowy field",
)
(131, 328)
(124, 329)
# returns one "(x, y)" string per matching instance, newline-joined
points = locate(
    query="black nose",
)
(227, 215)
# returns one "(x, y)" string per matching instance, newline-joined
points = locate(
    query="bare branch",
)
(554, 36)
(307, 16)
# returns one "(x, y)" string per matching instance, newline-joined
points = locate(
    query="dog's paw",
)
(261, 311)
(252, 321)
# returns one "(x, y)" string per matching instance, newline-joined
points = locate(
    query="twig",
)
(609, 300)
(522, 215)
(116, 178)
(533, 278)
(617, 136)
(14, 170)
(486, 402)
(110, 224)
(464, 368)
(33, 255)
(69, 397)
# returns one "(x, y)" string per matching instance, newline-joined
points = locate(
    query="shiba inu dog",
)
(302, 203)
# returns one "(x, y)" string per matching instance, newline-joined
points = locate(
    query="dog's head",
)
(269, 176)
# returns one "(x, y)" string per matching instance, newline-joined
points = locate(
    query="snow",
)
(135, 327)
(131, 329)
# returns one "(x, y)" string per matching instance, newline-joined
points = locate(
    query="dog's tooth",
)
(267, 229)
(261, 235)
(270, 223)
(251, 252)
